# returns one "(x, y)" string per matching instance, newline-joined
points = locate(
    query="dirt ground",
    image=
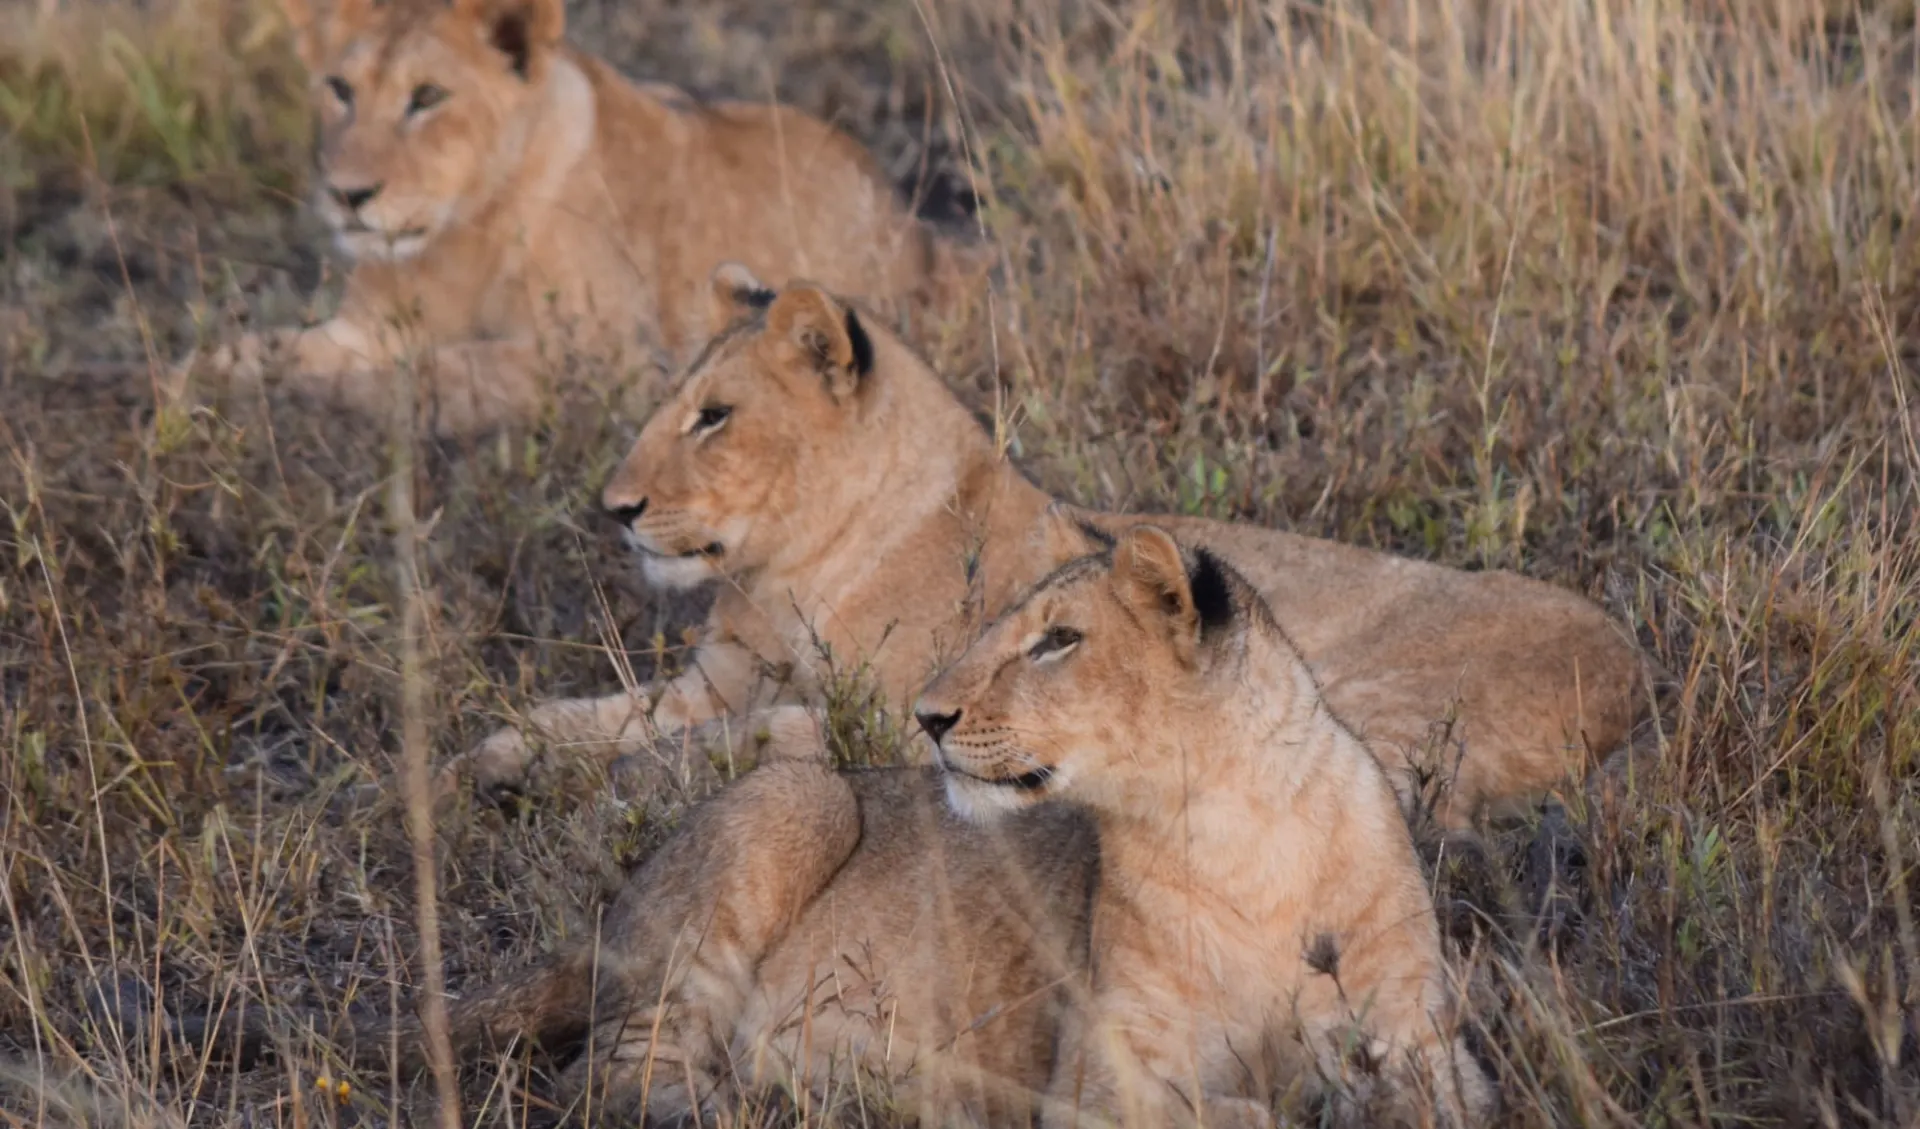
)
(1618, 296)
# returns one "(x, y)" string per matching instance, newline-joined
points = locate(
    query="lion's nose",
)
(352, 198)
(627, 514)
(937, 725)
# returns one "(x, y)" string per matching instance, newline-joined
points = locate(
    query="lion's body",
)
(544, 202)
(882, 524)
(1228, 881)
(803, 925)
(1259, 890)
(937, 958)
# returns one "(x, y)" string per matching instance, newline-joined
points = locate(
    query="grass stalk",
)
(415, 747)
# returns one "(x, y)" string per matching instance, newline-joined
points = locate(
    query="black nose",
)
(627, 515)
(937, 725)
(352, 198)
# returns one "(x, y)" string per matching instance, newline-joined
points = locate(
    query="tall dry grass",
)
(1620, 294)
(200, 92)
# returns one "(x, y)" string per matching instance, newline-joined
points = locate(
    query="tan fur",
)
(1138, 964)
(548, 203)
(1246, 837)
(865, 520)
(805, 923)
(802, 925)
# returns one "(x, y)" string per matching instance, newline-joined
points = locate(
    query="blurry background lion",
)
(501, 194)
(1612, 295)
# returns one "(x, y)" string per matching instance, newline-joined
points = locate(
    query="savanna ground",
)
(1621, 295)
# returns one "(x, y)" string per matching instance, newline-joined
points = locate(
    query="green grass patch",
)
(200, 93)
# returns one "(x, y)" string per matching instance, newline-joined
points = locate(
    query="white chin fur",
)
(369, 246)
(677, 573)
(978, 802)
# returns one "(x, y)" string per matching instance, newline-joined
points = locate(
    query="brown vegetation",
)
(1621, 295)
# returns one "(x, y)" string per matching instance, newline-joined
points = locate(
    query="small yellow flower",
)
(340, 1090)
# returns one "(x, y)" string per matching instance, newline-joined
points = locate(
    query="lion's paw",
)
(500, 761)
(244, 363)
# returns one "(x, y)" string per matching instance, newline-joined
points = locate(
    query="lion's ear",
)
(317, 30)
(734, 293)
(522, 30)
(825, 334)
(306, 35)
(1150, 575)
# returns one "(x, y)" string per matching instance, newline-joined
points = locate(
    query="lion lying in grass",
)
(1240, 922)
(860, 518)
(499, 191)
(1262, 924)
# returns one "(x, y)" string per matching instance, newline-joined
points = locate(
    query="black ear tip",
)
(1212, 592)
(757, 297)
(862, 345)
(512, 38)
(1097, 535)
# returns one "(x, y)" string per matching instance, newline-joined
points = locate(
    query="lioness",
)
(497, 189)
(1259, 890)
(799, 925)
(858, 514)
(1244, 886)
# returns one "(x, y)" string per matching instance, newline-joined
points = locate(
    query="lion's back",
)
(935, 928)
(763, 184)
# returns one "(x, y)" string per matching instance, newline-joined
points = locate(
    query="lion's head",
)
(425, 107)
(1054, 698)
(749, 453)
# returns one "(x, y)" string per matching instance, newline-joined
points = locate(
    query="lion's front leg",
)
(338, 361)
(473, 385)
(336, 358)
(685, 937)
(601, 729)
(1122, 1064)
(723, 679)
(461, 387)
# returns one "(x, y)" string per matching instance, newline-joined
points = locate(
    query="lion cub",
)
(499, 192)
(1259, 893)
(850, 507)
(801, 927)
(1227, 872)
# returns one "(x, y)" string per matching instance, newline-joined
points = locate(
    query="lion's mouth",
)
(1032, 781)
(359, 227)
(1028, 781)
(710, 549)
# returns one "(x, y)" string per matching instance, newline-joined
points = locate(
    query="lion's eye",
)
(710, 419)
(342, 89)
(1057, 641)
(425, 97)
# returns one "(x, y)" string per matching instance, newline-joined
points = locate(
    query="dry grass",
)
(1619, 294)
(204, 94)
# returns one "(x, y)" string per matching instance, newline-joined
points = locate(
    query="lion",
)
(859, 519)
(801, 924)
(1259, 890)
(498, 191)
(1146, 865)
